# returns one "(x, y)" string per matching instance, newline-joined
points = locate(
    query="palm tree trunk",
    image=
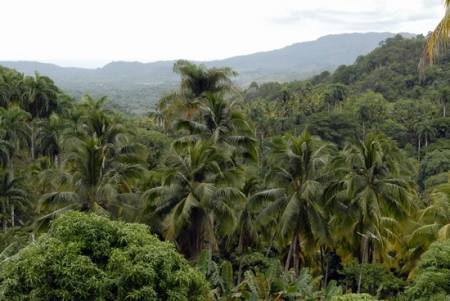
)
(324, 263)
(288, 259)
(32, 150)
(418, 148)
(297, 255)
(5, 225)
(365, 257)
(13, 216)
(240, 252)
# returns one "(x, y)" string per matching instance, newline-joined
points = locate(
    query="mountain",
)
(135, 86)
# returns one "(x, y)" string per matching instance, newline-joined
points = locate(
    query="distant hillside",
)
(136, 86)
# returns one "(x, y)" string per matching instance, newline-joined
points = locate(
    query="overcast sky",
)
(93, 32)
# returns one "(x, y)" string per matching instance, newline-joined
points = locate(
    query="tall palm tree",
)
(438, 40)
(442, 96)
(222, 123)
(50, 135)
(11, 85)
(40, 95)
(12, 197)
(100, 157)
(299, 163)
(15, 132)
(334, 94)
(375, 193)
(193, 199)
(99, 173)
(196, 81)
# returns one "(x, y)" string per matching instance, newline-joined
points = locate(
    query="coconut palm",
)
(442, 96)
(438, 39)
(376, 194)
(193, 199)
(50, 135)
(99, 173)
(15, 131)
(12, 196)
(40, 95)
(299, 164)
(11, 85)
(222, 123)
(196, 81)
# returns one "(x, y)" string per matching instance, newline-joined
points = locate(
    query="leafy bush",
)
(432, 280)
(354, 297)
(375, 279)
(88, 257)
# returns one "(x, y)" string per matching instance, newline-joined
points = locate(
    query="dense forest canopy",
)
(332, 188)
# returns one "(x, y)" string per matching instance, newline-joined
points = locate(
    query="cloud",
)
(351, 20)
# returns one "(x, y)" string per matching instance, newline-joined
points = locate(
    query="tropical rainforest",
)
(331, 188)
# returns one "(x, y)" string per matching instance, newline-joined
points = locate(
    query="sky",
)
(91, 33)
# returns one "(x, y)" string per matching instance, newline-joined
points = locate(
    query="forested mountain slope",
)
(136, 86)
(331, 188)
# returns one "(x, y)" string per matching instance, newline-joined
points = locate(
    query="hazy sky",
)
(93, 32)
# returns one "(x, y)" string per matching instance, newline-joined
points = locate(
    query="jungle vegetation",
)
(332, 188)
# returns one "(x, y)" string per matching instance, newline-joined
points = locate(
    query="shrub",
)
(88, 257)
(432, 281)
(375, 279)
(354, 297)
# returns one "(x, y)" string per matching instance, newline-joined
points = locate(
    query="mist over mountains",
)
(135, 86)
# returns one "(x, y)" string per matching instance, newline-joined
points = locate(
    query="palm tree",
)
(5, 152)
(99, 173)
(99, 155)
(438, 39)
(13, 122)
(334, 95)
(299, 164)
(196, 81)
(372, 194)
(39, 96)
(50, 135)
(442, 96)
(11, 85)
(222, 123)
(193, 199)
(12, 196)
(426, 131)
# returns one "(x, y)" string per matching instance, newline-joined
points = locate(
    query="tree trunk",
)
(297, 255)
(240, 252)
(324, 263)
(444, 110)
(288, 259)
(365, 256)
(32, 138)
(418, 148)
(5, 225)
(13, 223)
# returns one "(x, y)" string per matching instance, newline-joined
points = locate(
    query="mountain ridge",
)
(137, 83)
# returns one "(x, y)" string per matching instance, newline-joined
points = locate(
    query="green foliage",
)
(375, 279)
(270, 195)
(354, 297)
(87, 257)
(432, 278)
